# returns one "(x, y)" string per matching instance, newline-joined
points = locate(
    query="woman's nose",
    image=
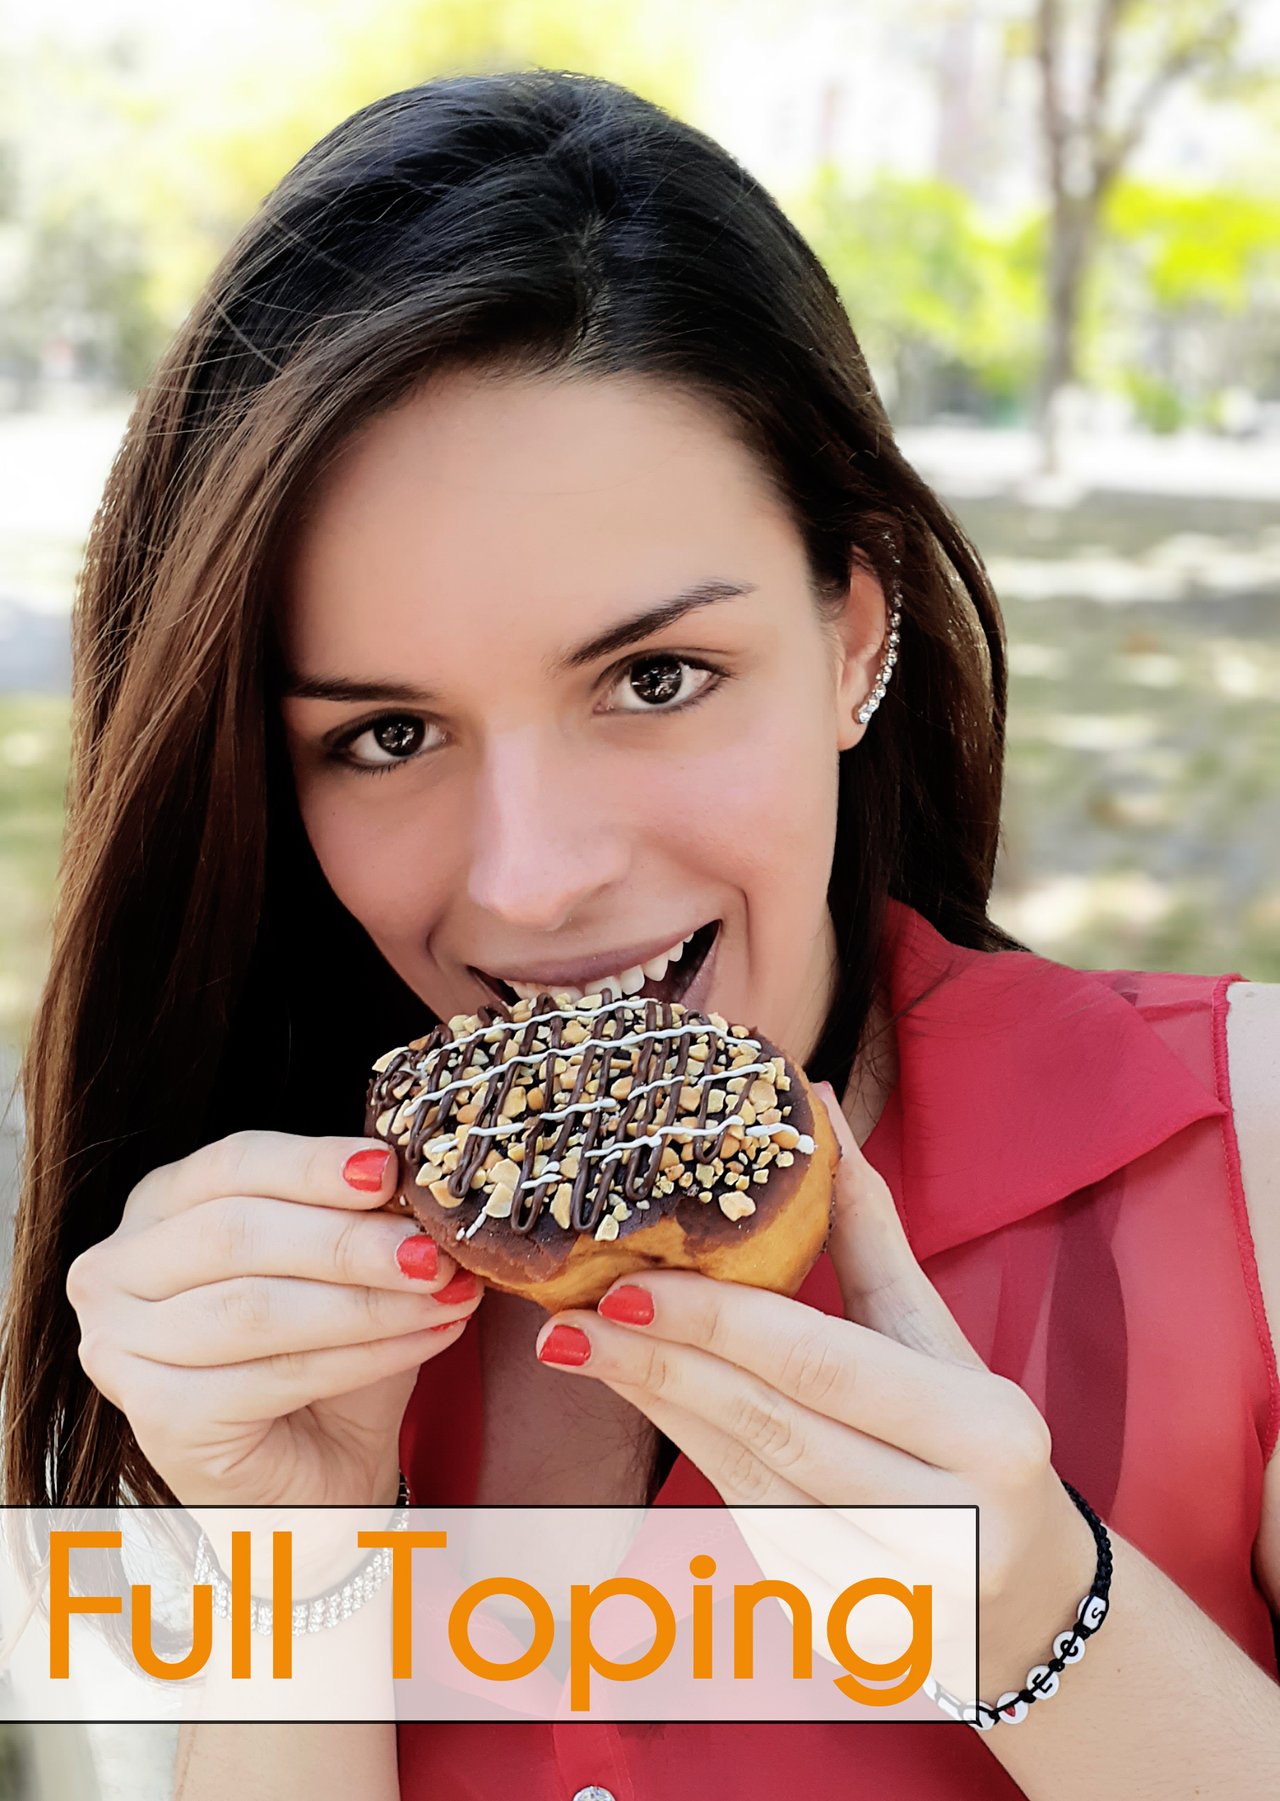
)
(545, 840)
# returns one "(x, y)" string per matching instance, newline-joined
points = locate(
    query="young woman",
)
(509, 576)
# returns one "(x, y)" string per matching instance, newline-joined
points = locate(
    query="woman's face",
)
(561, 707)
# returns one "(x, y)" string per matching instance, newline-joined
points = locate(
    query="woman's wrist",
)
(323, 1543)
(1017, 1625)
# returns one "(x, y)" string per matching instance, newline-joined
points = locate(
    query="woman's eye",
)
(659, 682)
(386, 742)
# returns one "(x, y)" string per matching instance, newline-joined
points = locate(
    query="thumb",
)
(881, 1283)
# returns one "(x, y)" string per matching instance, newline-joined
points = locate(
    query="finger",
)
(251, 1317)
(933, 1410)
(323, 1172)
(881, 1283)
(744, 1433)
(740, 1479)
(788, 1533)
(260, 1392)
(245, 1235)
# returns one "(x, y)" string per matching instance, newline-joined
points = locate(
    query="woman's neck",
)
(874, 1074)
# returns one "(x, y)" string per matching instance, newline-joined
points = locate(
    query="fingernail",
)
(631, 1306)
(418, 1256)
(366, 1169)
(565, 1344)
(460, 1287)
(447, 1326)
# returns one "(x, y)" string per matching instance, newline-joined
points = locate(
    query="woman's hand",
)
(780, 1404)
(260, 1326)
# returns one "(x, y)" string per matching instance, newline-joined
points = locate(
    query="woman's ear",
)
(859, 629)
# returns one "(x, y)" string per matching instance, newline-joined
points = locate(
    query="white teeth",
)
(529, 991)
(631, 981)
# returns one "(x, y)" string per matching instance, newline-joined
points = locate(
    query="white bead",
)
(1068, 1647)
(977, 1716)
(1092, 1611)
(1012, 1711)
(1043, 1680)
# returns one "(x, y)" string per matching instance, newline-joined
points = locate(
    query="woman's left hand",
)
(778, 1403)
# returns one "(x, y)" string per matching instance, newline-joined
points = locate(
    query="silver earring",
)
(887, 662)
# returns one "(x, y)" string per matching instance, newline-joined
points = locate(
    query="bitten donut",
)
(564, 1143)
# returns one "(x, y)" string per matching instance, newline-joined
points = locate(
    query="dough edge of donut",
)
(775, 1253)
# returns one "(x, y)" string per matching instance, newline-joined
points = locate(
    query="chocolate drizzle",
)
(484, 1068)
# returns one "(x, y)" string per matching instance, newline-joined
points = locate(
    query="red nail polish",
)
(418, 1257)
(447, 1326)
(567, 1345)
(366, 1170)
(460, 1287)
(631, 1306)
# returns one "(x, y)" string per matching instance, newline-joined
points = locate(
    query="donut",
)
(562, 1143)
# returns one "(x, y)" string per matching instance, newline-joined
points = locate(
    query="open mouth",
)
(667, 977)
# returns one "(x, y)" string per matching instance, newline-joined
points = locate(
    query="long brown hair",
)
(203, 976)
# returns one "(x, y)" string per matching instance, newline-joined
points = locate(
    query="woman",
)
(495, 586)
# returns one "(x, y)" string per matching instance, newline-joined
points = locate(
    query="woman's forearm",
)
(1162, 1704)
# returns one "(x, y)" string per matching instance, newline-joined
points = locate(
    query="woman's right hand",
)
(251, 1320)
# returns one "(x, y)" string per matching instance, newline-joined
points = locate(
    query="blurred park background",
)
(1056, 226)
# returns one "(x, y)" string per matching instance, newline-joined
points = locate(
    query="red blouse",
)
(1061, 1150)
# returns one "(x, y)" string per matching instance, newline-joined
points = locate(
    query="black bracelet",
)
(1068, 1647)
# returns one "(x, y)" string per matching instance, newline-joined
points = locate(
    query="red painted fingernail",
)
(418, 1257)
(460, 1287)
(565, 1344)
(448, 1325)
(366, 1169)
(631, 1306)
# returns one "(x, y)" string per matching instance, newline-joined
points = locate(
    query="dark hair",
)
(540, 221)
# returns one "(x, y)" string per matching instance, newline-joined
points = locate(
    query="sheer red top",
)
(1061, 1150)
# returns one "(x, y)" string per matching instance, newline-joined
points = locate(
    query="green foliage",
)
(33, 773)
(130, 172)
(1215, 248)
(931, 285)
(1185, 305)
(1157, 404)
(949, 305)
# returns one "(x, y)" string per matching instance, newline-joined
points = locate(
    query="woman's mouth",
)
(667, 976)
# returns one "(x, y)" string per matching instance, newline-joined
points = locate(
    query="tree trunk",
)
(1071, 241)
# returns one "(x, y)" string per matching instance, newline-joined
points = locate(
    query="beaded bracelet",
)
(1068, 1647)
(318, 1612)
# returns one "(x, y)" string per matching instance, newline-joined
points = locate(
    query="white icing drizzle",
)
(542, 1170)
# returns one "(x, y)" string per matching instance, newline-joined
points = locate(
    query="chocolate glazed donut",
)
(562, 1144)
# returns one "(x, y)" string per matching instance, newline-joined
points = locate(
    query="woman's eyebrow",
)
(641, 625)
(606, 643)
(339, 687)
